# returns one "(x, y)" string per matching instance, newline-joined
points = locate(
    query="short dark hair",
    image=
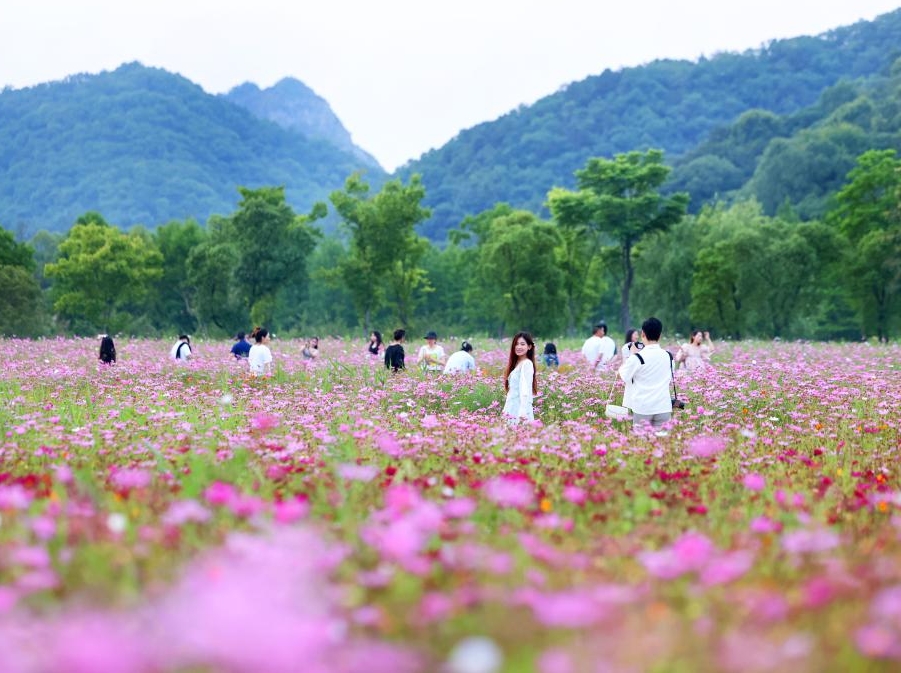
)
(185, 337)
(601, 325)
(399, 334)
(652, 329)
(466, 346)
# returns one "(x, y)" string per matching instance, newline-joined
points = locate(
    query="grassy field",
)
(159, 517)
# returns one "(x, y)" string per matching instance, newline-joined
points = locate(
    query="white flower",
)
(476, 654)
(116, 522)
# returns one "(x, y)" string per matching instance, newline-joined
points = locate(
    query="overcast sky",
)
(403, 76)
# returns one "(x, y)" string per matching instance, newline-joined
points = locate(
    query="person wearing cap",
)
(461, 361)
(241, 349)
(599, 348)
(431, 355)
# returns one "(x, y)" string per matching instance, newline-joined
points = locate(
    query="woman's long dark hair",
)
(107, 350)
(514, 360)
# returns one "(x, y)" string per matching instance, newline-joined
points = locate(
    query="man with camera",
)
(647, 374)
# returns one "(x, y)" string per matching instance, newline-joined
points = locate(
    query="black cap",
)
(430, 335)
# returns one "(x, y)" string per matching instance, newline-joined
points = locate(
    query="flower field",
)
(158, 517)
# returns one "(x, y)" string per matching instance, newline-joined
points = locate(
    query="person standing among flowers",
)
(394, 354)
(647, 373)
(520, 381)
(461, 361)
(107, 350)
(260, 357)
(182, 348)
(696, 353)
(599, 348)
(550, 356)
(431, 356)
(241, 348)
(375, 343)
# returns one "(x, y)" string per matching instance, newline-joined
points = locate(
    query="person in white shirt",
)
(182, 348)
(431, 355)
(520, 381)
(647, 373)
(599, 348)
(260, 357)
(461, 361)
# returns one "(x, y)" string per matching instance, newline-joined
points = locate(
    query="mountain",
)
(671, 105)
(294, 106)
(144, 146)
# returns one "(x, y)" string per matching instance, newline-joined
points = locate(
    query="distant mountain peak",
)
(296, 107)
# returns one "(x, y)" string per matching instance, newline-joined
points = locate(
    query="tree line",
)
(613, 248)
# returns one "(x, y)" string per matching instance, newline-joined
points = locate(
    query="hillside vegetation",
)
(668, 105)
(144, 146)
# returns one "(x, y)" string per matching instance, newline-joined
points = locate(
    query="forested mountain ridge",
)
(294, 106)
(800, 159)
(144, 146)
(671, 105)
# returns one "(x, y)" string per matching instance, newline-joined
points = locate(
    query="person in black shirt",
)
(375, 343)
(394, 354)
(107, 350)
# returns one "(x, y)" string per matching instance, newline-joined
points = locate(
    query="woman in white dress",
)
(260, 357)
(520, 381)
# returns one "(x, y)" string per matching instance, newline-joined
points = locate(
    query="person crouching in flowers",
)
(260, 357)
(520, 381)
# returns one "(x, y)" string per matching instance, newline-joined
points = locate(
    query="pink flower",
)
(220, 493)
(184, 511)
(128, 479)
(754, 482)
(809, 541)
(389, 445)
(762, 524)
(263, 422)
(575, 495)
(705, 447)
(354, 472)
(510, 490)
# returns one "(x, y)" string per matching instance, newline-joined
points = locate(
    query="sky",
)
(403, 76)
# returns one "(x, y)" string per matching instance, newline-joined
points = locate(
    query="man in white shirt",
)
(598, 349)
(182, 348)
(648, 373)
(461, 361)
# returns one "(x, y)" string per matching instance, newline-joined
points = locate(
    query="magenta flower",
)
(510, 490)
(754, 482)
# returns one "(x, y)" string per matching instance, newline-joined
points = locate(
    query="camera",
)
(677, 403)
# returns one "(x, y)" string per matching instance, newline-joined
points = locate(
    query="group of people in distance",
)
(431, 356)
(645, 367)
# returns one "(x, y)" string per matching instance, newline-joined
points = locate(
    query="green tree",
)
(174, 301)
(273, 244)
(21, 303)
(101, 275)
(385, 255)
(578, 256)
(518, 281)
(868, 212)
(618, 200)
